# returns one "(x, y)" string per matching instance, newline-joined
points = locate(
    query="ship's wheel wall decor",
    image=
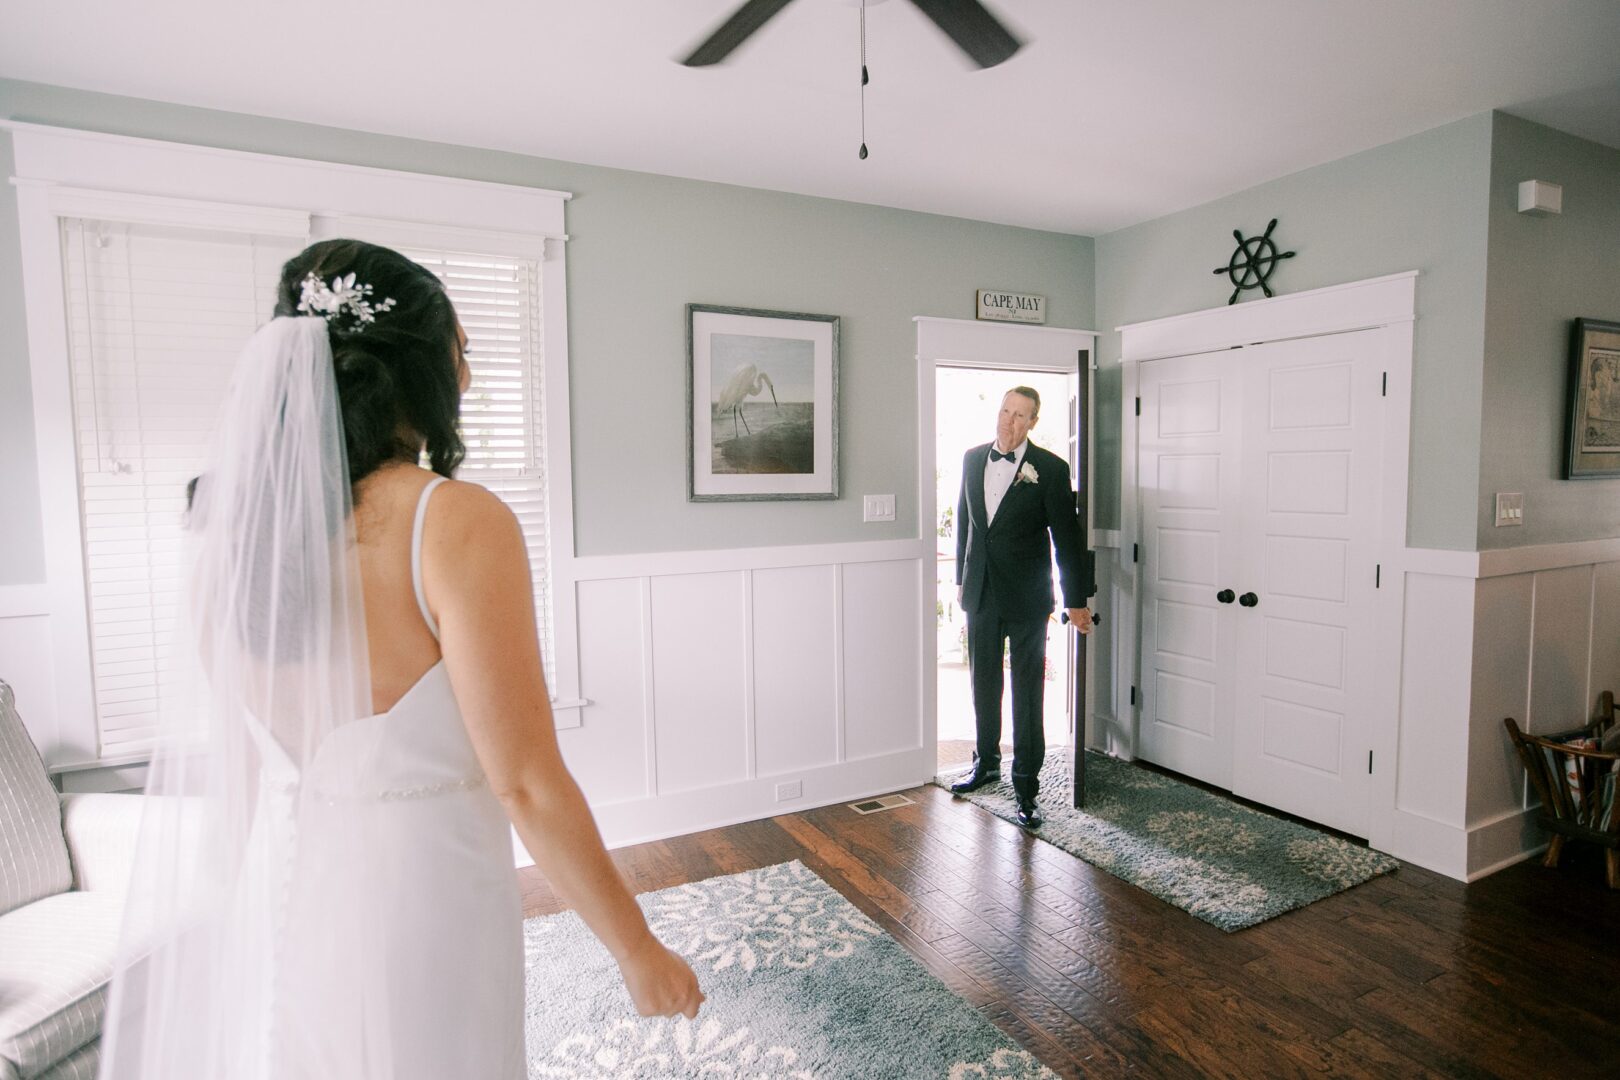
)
(1251, 264)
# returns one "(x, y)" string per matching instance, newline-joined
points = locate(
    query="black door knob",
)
(1248, 599)
(1226, 596)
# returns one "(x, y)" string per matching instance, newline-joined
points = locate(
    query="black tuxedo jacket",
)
(1013, 555)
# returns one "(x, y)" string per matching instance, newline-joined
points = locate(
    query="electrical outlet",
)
(877, 508)
(1509, 508)
(792, 789)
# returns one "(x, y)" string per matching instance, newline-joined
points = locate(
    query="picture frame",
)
(761, 405)
(1592, 437)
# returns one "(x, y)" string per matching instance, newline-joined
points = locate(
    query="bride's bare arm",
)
(476, 575)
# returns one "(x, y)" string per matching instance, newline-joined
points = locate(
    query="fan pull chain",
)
(865, 78)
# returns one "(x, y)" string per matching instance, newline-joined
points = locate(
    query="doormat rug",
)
(800, 984)
(1210, 856)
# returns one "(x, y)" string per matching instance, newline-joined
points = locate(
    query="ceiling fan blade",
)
(734, 31)
(975, 31)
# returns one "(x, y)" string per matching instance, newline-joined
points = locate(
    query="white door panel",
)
(1312, 428)
(1189, 480)
(1259, 471)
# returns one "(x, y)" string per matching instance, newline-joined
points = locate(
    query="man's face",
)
(1016, 418)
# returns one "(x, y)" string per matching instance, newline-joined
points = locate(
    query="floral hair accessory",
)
(342, 297)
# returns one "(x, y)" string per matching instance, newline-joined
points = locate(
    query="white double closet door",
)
(1260, 474)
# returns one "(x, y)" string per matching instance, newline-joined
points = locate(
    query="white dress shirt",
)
(999, 477)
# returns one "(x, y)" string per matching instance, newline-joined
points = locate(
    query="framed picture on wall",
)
(1593, 440)
(761, 405)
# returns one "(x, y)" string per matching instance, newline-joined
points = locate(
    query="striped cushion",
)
(81, 1066)
(56, 958)
(31, 846)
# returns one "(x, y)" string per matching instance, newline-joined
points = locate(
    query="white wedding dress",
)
(449, 927)
(317, 893)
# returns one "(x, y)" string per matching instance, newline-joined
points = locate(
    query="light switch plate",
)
(877, 508)
(1509, 508)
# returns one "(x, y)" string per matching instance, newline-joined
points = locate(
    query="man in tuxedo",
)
(1014, 497)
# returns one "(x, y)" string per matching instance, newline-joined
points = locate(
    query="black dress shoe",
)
(1029, 815)
(973, 781)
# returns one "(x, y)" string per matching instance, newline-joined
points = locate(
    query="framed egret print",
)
(761, 405)
(1592, 442)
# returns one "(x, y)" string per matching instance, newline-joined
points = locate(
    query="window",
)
(497, 299)
(156, 317)
(146, 265)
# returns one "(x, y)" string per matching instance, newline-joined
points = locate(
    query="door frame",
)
(1388, 303)
(968, 343)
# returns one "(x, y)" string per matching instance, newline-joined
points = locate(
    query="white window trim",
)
(67, 173)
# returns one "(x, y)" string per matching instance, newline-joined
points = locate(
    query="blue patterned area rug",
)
(800, 985)
(1228, 864)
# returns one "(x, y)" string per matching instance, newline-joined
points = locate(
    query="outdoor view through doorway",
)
(966, 401)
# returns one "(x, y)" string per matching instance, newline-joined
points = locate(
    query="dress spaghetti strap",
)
(416, 555)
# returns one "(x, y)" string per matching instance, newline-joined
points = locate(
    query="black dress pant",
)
(987, 631)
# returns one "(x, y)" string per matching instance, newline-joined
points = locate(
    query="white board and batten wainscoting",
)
(727, 686)
(1346, 677)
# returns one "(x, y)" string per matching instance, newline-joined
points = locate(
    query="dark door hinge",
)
(1133, 695)
(1136, 552)
(1384, 390)
(1369, 761)
(1378, 575)
(1138, 406)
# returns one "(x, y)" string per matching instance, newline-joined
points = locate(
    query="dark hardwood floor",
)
(1409, 975)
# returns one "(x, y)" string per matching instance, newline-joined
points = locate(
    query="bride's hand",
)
(659, 981)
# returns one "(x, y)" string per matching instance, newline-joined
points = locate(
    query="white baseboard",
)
(1430, 844)
(639, 821)
(115, 778)
(1511, 860)
(1502, 841)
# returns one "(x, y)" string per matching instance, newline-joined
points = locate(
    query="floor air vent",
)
(886, 802)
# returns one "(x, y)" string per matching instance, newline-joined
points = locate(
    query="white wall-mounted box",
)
(1541, 197)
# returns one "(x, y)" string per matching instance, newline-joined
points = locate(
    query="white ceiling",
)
(1117, 111)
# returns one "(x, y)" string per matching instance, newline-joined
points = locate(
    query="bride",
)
(324, 884)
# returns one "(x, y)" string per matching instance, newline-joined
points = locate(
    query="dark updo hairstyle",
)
(398, 377)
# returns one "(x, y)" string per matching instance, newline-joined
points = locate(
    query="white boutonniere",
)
(1027, 474)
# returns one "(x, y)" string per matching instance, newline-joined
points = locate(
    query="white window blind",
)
(156, 319)
(497, 299)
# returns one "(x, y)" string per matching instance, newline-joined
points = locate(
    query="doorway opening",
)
(966, 401)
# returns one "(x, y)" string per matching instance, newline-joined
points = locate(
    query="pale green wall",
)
(1417, 204)
(1543, 273)
(643, 246)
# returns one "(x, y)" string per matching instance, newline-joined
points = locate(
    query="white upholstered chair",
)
(64, 867)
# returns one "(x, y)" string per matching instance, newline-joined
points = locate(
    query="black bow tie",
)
(997, 455)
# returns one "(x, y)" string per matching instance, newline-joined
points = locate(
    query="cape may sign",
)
(1011, 306)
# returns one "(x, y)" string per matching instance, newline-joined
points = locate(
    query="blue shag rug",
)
(1228, 864)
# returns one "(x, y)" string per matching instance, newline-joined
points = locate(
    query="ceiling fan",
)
(966, 22)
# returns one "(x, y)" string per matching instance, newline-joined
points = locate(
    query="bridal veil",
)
(253, 945)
